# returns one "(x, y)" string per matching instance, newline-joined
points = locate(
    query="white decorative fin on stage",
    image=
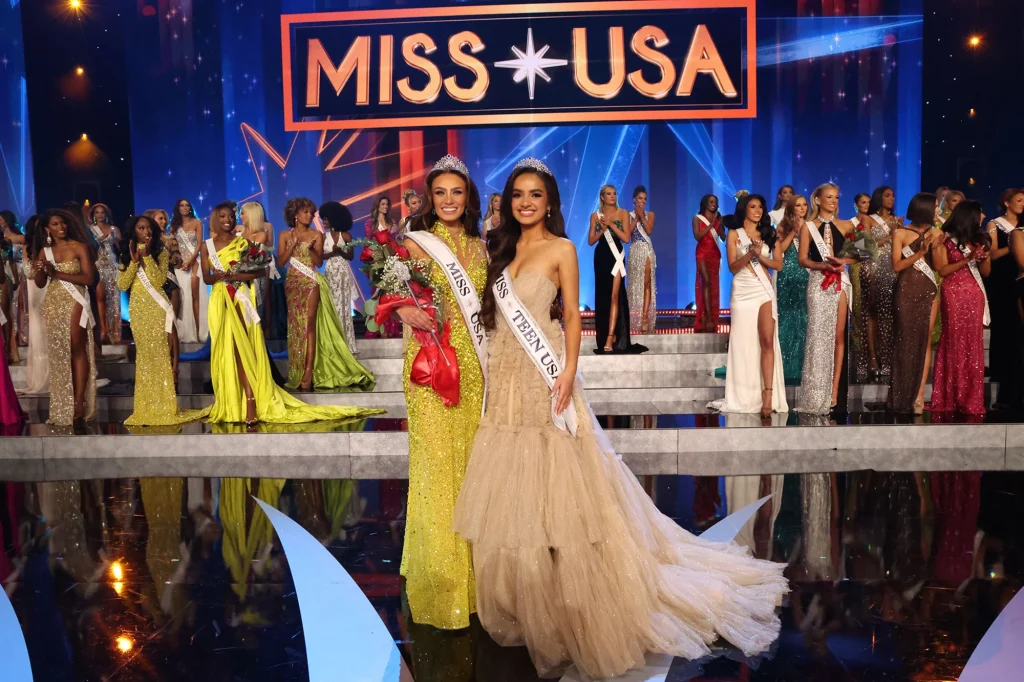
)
(14, 663)
(999, 655)
(727, 529)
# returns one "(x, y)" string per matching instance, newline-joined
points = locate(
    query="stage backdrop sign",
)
(550, 63)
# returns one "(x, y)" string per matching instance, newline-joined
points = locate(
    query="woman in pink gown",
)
(10, 408)
(380, 221)
(706, 225)
(959, 381)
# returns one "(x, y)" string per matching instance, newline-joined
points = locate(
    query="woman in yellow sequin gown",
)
(436, 562)
(243, 388)
(156, 400)
(72, 355)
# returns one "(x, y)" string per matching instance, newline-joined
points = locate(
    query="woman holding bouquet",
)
(380, 221)
(243, 387)
(317, 353)
(571, 556)
(436, 562)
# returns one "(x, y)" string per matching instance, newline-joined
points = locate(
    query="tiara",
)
(451, 163)
(534, 164)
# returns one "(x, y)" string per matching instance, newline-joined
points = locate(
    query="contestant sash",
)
(531, 337)
(184, 245)
(158, 297)
(777, 215)
(86, 321)
(972, 265)
(640, 231)
(825, 250)
(620, 264)
(462, 288)
(1004, 225)
(241, 292)
(881, 223)
(302, 268)
(762, 276)
(921, 265)
(3, 318)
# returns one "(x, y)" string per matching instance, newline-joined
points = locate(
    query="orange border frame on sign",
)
(526, 118)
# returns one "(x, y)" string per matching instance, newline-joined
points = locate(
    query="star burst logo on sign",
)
(445, 66)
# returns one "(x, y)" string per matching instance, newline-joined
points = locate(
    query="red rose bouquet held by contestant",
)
(401, 281)
(253, 259)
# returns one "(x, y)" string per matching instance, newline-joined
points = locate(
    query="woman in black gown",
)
(1004, 347)
(609, 229)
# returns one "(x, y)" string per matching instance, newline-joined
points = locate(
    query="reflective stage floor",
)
(895, 576)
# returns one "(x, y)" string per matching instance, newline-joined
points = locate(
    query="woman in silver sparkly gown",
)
(828, 297)
(337, 221)
(107, 294)
(642, 265)
(878, 285)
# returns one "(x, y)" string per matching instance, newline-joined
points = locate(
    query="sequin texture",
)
(58, 308)
(959, 383)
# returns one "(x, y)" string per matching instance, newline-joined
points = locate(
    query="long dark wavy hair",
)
(176, 219)
(32, 228)
(425, 219)
(502, 245)
(76, 231)
(12, 222)
(155, 246)
(876, 199)
(779, 203)
(964, 223)
(764, 227)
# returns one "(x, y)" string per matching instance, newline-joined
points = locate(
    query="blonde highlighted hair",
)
(812, 204)
(152, 213)
(600, 196)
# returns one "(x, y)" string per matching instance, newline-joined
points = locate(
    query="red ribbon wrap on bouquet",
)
(832, 279)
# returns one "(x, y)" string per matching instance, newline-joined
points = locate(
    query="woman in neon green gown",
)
(243, 388)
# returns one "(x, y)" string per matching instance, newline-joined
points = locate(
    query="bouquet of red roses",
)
(253, 259)
(402, 281)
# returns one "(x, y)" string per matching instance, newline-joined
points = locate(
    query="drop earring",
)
(49, 239)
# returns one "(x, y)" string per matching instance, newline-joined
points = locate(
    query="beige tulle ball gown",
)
(572, 558)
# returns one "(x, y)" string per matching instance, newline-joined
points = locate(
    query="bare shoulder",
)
(415, 250)
(564, 247)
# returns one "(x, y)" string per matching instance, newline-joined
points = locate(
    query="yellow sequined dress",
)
(58, 311)
(436, 562)
(234, 333)
(156, 400)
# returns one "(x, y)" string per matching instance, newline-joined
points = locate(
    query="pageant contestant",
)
(436, 562)
(257, 230)
(318, 356)
(946, 206)
(37, 364)
(65, 266)
(878, 284)
(12, 290)
(707, 225)
(914, 305)
(493, 216)
(611, 305)
(643, 265)
(572, 558)
(143, 269)
(170, 288)
(828, 299)
(754, 381)
(1004, 345)
(195, 296)
(243, 388)
(413, 203)
(10, 408)
(337, 222)
(108, 296)
(791, 284)
(380, 221)
(782, 198)
(959, 381)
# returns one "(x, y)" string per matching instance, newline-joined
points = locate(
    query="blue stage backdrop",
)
(838, 98)
(17, 192)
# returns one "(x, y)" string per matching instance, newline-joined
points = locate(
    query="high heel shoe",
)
(609, 344)
(251, 423)
(765, 414)
(919, 406)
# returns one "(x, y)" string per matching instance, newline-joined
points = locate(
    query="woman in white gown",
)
(754, 380)
(337, 222)
(195, 295)
(572, 558)
(37, 364)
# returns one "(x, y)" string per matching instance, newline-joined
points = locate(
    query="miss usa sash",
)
(158, 297)
(762, 276)
(531, 337)
(82, 299)
(241, 293)
(972, 265)
(462, 288)
(921, 265)
(620, 264)
(825, 250)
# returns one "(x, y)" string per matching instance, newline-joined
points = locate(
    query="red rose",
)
(254, 251)
(401, 251)
(366, 256)
(416, 287)
(382, 237)
(232, 263)
(231, 291)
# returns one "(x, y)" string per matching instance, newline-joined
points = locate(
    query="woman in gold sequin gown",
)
(143, 252)
(435, 561)
(318, 355)
(71, 351)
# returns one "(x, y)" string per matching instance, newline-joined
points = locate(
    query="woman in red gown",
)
(959, 381)
(706, 225)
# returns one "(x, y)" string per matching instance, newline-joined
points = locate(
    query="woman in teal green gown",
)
(791, 287)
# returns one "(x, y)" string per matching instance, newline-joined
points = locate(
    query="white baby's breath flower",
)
(401, 270)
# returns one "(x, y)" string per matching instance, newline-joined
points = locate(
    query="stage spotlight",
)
(79, 71)
(971, 113)
(75, 4)
(974, 41)
(85, 138)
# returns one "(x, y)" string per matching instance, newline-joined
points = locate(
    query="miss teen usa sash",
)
(762, 276)
(620, 264)
(158, 297)
(535, 343)
(825, 250)
(82, 299)
(241, 293)
(462, 288)
(972, 265)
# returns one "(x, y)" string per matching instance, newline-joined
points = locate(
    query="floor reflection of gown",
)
(959, 379)
(604, 261)
(242, 541)
(707, 253)
(743, 490)
(791, 285)
(957, 499)
(572, 557)
(912, 308)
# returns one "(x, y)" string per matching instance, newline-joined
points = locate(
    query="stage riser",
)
(728, 452)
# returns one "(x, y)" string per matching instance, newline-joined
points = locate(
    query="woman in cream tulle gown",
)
(572, 559)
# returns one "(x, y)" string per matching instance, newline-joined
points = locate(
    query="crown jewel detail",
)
(451, 163)
(534, 164)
